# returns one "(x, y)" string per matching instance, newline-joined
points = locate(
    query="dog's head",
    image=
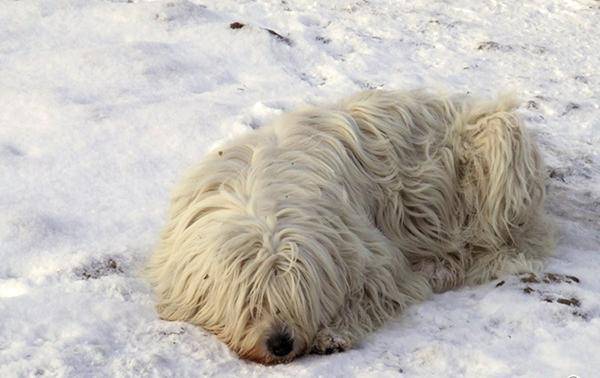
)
(254, 254)
(273, 282)
(263, 284)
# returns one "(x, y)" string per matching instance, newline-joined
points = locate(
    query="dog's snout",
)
(280, 344)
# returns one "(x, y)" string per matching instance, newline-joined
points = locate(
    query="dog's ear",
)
(500, 167)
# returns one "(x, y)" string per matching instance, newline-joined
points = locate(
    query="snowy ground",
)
(103, 104)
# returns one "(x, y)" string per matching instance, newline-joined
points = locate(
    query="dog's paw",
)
(328, 342)
(440, 276)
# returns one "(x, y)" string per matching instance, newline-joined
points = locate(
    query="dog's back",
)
(461, 183)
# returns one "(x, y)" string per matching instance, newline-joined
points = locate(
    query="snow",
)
(104, 104)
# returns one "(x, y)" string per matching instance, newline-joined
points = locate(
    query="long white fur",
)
(333, 219)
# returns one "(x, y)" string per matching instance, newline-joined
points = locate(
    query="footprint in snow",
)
(547, 287)
(98, 268)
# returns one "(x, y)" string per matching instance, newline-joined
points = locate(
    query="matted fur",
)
(333, 219)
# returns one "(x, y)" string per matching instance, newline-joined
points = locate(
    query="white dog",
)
(306, 234)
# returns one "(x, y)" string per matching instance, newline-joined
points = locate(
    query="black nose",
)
(280, 344)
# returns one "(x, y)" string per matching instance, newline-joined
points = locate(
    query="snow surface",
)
(104, 104)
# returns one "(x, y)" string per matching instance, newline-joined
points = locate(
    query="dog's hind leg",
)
(502, 181)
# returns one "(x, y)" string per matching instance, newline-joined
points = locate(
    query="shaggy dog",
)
(308, 233)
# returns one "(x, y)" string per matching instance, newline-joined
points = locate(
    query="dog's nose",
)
(280, 344)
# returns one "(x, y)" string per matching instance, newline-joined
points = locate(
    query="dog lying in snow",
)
(308, 233)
